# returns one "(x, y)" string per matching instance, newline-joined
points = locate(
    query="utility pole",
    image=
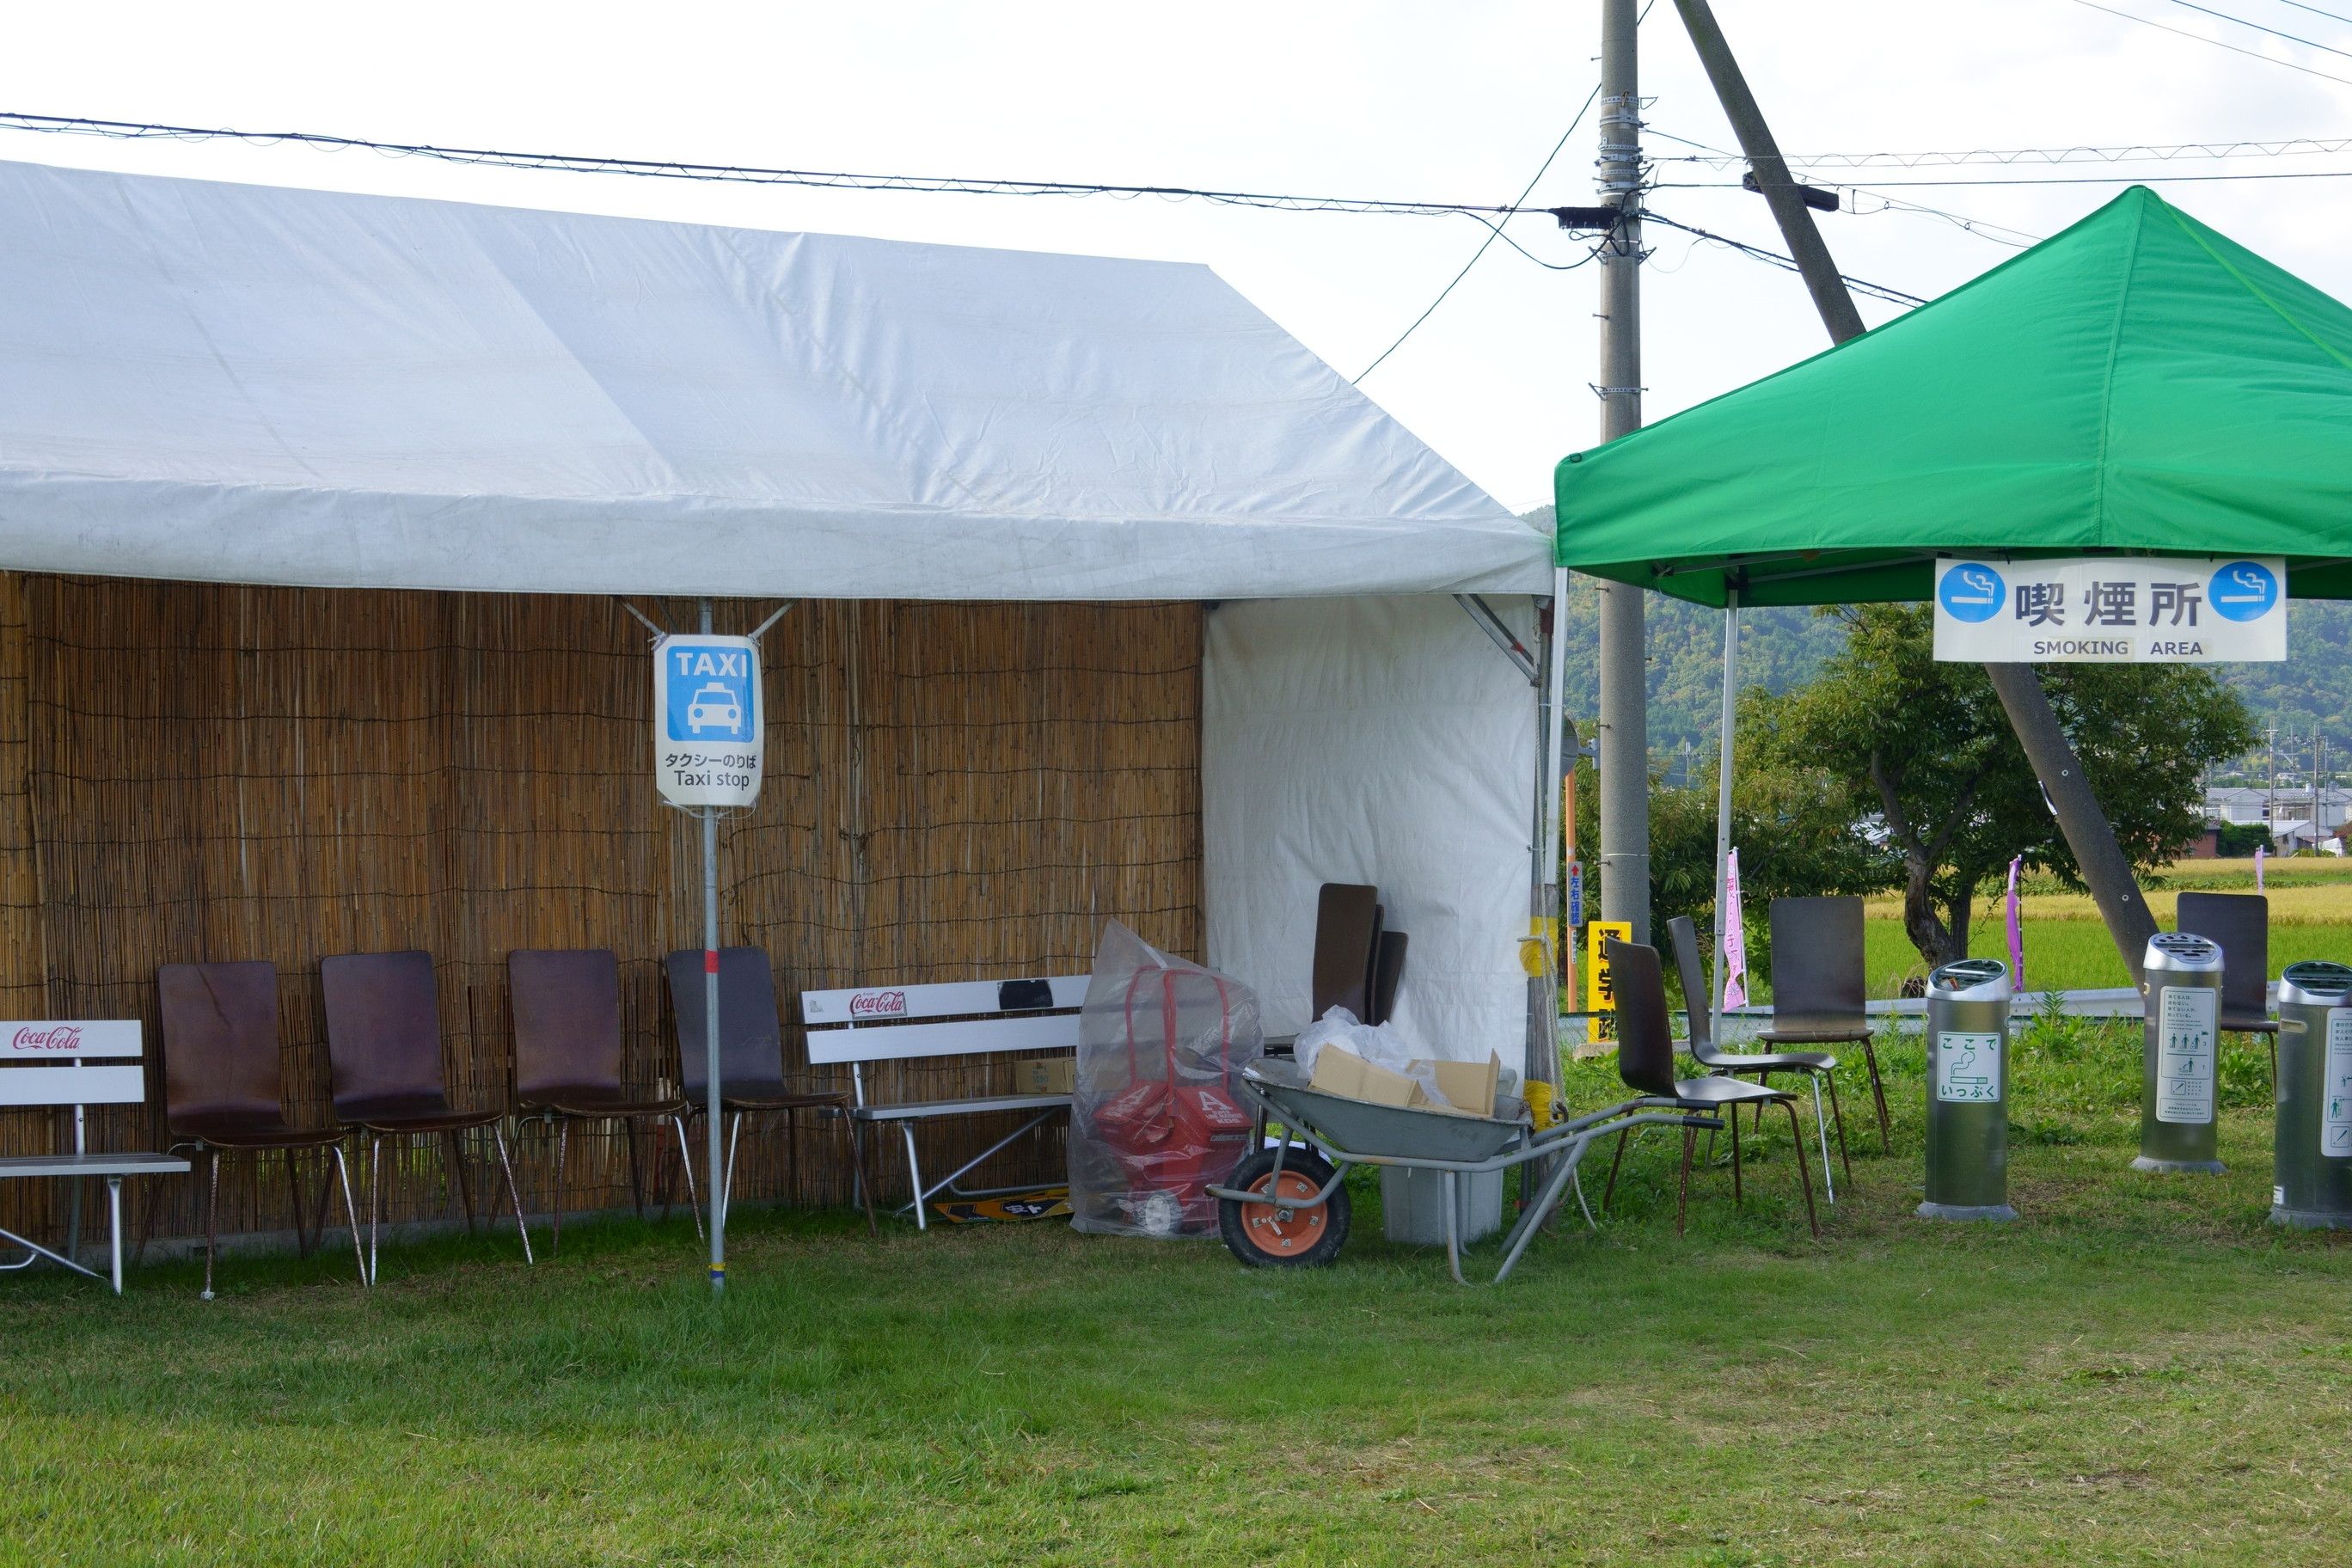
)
(2106, 869)
(1624, 722)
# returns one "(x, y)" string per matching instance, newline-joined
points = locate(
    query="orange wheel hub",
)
(1276, 1228)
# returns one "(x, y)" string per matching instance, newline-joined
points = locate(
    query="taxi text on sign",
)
(708, 749)
(2112, 609)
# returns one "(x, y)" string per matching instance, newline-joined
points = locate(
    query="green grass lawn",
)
(2139, 1370)
(2071, 955)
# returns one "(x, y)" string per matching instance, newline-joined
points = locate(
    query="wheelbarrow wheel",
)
(1269, 1235)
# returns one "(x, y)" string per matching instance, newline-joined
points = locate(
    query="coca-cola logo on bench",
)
(877, 1004)
(53, 1037)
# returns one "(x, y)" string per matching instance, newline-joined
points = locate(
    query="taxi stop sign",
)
(708, 749)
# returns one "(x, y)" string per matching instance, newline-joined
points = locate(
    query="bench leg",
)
(915, 1172)
(115, 1227)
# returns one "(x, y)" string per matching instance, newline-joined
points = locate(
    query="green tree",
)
(1927, 743)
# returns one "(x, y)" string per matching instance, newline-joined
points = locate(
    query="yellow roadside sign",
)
(1599, 994)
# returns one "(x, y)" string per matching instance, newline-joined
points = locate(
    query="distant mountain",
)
(2309, 694)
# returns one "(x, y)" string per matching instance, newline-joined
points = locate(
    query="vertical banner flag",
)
(2258, 868)
(707, 747)
(2016, 934)
(1735, 938)
(1601, 992)
(2112, 609)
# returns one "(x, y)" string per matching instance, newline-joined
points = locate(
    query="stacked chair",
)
(1357, 960)
(1646, 1060)
(1818, 982)
(1818, 1066)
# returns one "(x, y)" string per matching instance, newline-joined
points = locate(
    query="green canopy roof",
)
(2137, 385)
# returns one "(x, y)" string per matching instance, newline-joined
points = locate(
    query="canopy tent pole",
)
(1553, 910)
(1723, 803)
(2089, 834)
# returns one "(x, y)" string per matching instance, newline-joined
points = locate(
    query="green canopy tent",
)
(2138, 384)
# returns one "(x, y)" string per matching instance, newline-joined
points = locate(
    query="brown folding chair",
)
(1818, 1066)
(224, 1092)
(1818, 985)
(751, 1081)
(1347, 917)
(384, 1040)
(2240, 924)
(1646, 1060)
(567, 1022)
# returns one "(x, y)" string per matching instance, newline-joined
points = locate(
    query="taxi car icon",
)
(713, 708)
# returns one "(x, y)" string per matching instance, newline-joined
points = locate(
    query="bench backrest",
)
(874, 1022)
(54, 1052)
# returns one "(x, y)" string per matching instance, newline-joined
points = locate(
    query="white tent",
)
(254, 384)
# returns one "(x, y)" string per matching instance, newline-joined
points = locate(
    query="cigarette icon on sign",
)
(1984, 590)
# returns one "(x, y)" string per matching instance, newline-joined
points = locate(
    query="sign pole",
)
(710, 1019)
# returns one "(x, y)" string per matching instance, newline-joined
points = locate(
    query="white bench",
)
(879, 1023)
(53, 1073)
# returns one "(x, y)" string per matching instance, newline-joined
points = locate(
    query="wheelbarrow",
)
(1287, 1206)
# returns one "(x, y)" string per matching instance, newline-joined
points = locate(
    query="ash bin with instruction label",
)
(2313, 1179)
(1968, 1091)
(2179, 1082)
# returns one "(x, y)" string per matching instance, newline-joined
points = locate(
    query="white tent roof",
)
(247, 384)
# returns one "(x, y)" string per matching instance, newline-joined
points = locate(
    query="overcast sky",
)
(1458, 101)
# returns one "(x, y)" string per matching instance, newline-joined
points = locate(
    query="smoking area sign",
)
(2112, 609)
(708, 746)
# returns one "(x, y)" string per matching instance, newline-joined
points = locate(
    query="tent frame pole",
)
(1723, 760)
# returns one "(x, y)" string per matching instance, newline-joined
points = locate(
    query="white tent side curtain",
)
(250, 384)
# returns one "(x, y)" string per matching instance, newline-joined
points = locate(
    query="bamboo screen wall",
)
(202, 773)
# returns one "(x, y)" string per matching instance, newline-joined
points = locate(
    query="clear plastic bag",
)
(1155, 1118)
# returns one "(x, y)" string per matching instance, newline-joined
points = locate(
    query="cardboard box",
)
(1046, 1074)
(1340, 1071)
(1468, 1087)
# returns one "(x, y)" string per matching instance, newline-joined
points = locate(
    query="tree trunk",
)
(1962, 909)
(1920, 922)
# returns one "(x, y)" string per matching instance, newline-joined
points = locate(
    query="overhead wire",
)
(2257, 26)
(2200, 37)
(1483, 244)
(1788, 264)
(2138, 152)
(569, 162)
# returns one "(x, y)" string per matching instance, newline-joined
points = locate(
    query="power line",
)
(576, 163)
(2000, 234)
(2250, 54)
(2257, 26)
(1485, 244)
(1876, 290)
(2315, 11)
(2138, 151)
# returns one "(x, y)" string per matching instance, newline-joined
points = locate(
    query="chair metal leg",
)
(686, 1163)
(1805, 1181)
(1878, 1092)
(1609, 1192)
(1738, 1190)
(734, 1139)
(1837, 1114)
(375, 1195)
(636, 1177)
(514, 1194)
(294, 1191)
(1822, 1131)
(456, 1152)
(352, 1213)
(212, 1207)
(1681, 1200)
(860, 1176)
(563, 1147)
